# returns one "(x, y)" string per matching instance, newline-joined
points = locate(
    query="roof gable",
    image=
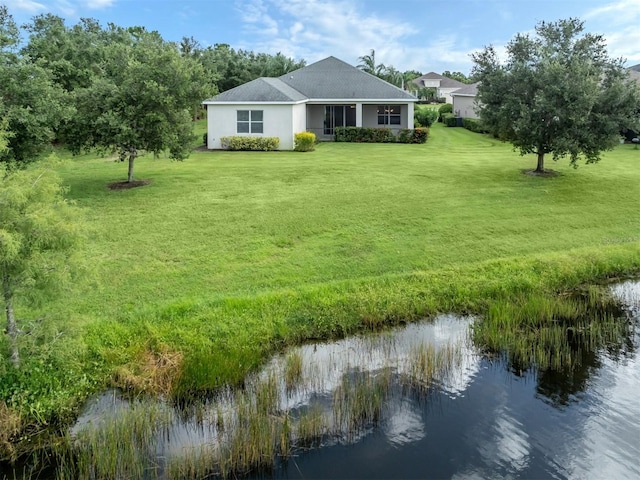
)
(261, 89)
(466, 91)
(445, 82)
(332, 78)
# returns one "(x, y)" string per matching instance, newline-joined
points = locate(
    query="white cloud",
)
(25, 5)
(98, 4)
(618, 23)
(622, 10)
(314, 29)
(66, 8)
(255, 15)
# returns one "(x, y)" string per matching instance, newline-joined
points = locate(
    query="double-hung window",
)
(389, 115)
(249, 121)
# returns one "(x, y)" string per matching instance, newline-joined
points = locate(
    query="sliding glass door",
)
(338, 116)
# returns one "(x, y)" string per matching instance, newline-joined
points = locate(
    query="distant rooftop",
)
(445, 82)
(470, 90)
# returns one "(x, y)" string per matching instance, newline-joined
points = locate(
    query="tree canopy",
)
(140, 103)
(30, 102)
(558, 93)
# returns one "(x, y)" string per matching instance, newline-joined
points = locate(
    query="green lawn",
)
(225, 223)
(228, 255)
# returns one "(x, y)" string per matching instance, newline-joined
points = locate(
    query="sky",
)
(422, 35)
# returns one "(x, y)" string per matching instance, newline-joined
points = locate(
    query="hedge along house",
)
(316, 98)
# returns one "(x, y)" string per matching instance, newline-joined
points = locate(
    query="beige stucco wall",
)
(278, 121)
(464, 106)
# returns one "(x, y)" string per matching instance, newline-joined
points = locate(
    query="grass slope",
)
(228, 255)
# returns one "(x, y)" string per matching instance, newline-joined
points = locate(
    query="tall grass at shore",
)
(551, 332)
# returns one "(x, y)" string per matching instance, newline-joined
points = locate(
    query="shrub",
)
(204, 138)
(408, 135)
(449, 119)
(474, 124)
(446, 108)
(250, 143)
(304, 141)
(425, 117)
(364, 135)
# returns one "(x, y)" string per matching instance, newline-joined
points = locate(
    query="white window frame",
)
(251, 124)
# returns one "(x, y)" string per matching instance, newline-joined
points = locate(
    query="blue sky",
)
(424, 35)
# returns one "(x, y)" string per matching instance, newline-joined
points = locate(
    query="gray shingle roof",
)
(328, 79)
(445, 82)
(260, 90)
(634, 75)
(468, 90)
(332, 78)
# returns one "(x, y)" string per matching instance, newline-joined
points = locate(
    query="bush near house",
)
(425, 117)
(250, 143)
(474, 124)
(304, 141)
(408, 135)
(380, 135)
(364, 135)
(449, 119)
(446, 108)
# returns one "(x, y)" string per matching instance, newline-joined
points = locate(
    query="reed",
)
(358, 402)
(551, 332)
(122, 446)
(427, 366)
(293, 369)
(311, 427)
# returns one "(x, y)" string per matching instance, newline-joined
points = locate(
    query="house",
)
(464, 101)
(316, 98)
(443, 85)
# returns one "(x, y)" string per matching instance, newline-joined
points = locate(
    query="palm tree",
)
(368, 64)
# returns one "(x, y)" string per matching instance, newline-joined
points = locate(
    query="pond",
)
(417, 402)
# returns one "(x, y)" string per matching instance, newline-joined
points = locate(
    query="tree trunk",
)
(12, 327)
(540, 167)
(132, 157)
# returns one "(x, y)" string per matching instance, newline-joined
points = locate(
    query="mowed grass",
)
(226, 224)
(226, 257)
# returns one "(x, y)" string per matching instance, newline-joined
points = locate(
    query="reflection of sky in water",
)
(326, 364)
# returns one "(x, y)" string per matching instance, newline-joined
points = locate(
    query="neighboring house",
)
(464, 101)
(316, 98)
(443, 85)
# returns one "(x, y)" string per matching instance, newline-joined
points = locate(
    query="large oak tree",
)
(141, 101)
(558, 93)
